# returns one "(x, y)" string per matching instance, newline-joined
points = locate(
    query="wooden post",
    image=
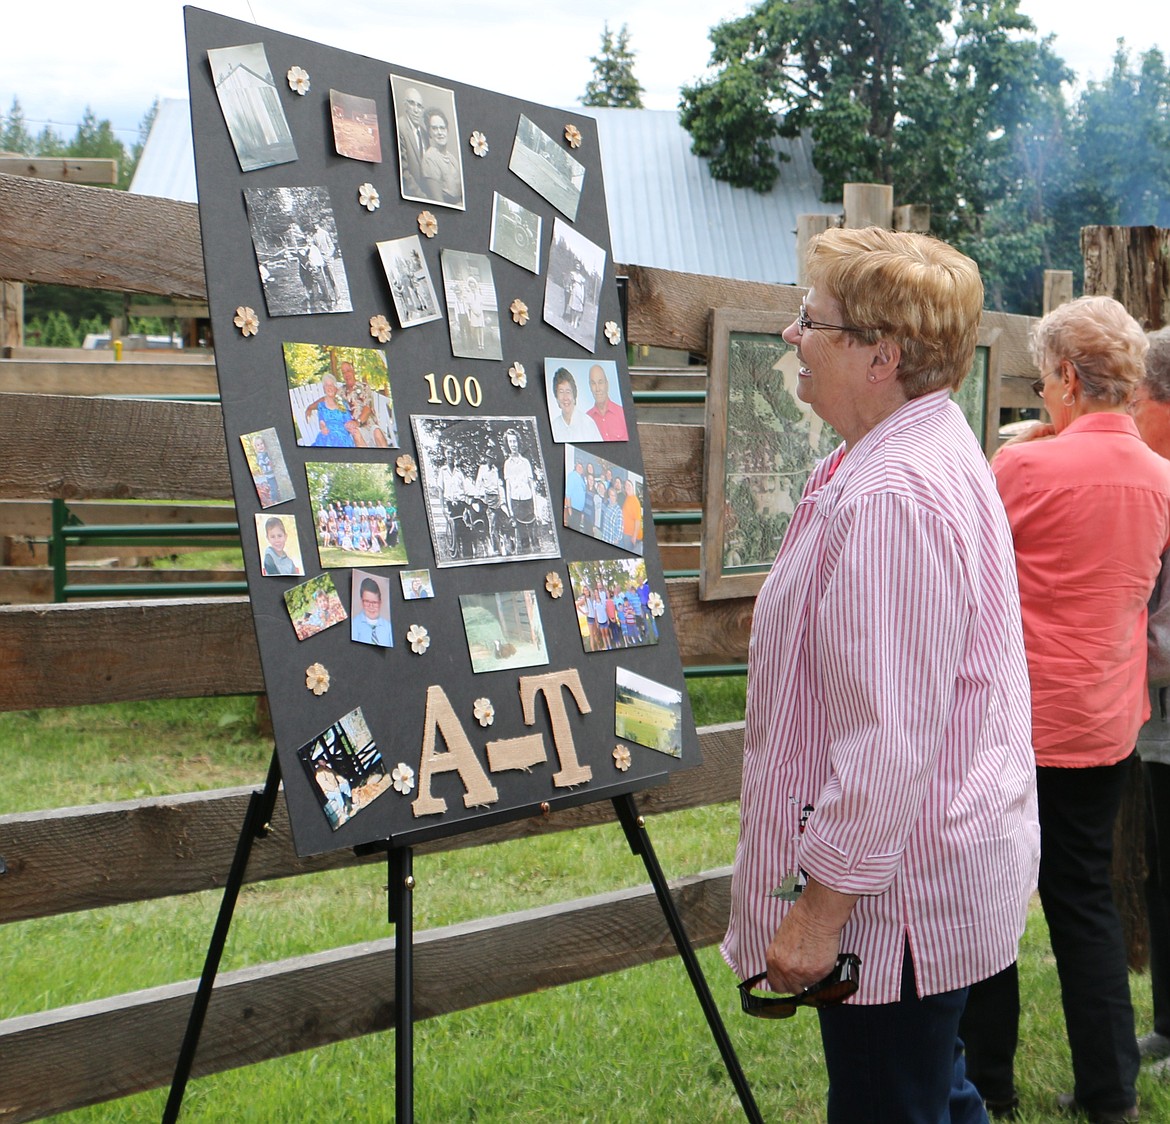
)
(914, 217)
(869, 204)
(807, 226)
(1058, 288)
(1130, 264)
(11, 314)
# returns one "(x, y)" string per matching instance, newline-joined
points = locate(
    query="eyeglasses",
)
(1038, 387)
(835, 988)
(804, 322)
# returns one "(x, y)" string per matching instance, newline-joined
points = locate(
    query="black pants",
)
(1158, 888)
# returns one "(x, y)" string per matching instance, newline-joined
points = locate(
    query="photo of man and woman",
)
(584, 400)
(603, 500)
(345, 768)
(280, 548)
(612, 597)
(340, 396)
(314, 606)
(355, 512)
(269, 471)
(430, 158)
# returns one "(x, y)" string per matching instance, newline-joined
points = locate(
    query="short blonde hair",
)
(1101, 340)
(915, 290)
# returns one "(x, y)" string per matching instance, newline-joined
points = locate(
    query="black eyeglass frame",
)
(804, 322)
(836, 987)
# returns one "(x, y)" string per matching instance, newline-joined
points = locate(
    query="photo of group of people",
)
(355, 127)
(409, 279)
(575, 416)
(369, 610)
(314, 606)
(612, 597)
(486, 489)
(355, 511)
(294, 233)
(251, 106)
(280, 547)
(648, 713)
(429, 153)
(603, 500)
(572, 289)
(472, 310)
(503, 630)
(267, 465)
(340, 396)
(547, 168)
(345, 768)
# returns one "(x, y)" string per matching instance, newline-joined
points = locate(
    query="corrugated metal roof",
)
(665, 209)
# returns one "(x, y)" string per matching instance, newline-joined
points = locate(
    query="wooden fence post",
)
(1058, 288)
(869, 204)
(807, 226)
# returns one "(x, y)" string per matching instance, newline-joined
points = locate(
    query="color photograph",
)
(648, 713)
(430, 156)
(369, 610)
(314, 606)
(416, 584)
(604, 500)
(267, 465)
(340, 396)
(279, 545)
(345, 768)
(503, 630)
(355, 127)
(355, 511)
(612, 597)
(251, 106)
(584, 400)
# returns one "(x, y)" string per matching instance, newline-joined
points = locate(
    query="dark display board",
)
(417, 334)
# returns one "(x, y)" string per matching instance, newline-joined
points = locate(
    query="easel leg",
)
(635, 829)
(256, 821)
(401, 902)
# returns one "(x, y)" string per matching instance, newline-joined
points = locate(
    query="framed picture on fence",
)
(978, 397)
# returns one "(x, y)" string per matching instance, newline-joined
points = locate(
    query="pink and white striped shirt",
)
(887, 749)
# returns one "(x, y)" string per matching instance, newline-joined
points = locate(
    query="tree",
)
(613, 82)
(14, 136)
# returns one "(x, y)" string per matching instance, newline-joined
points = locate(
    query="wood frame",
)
(986, 369)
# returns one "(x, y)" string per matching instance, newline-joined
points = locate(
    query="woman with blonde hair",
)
(1089, 507)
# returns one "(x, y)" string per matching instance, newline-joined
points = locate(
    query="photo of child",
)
(280, 549)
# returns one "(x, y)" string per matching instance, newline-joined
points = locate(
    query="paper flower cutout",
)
(573, 136)
(380, 329)
(621, 758)
(553, 583)
(418, 638)
(612, 332)
(317, 678)
(656, 604)
(403, 777)
(428, 224)
(485, 713)
(247, 320)
(369, 198)
(406, 468)
(298, 80)
(519, 312)
(479, 144)
(518, 375)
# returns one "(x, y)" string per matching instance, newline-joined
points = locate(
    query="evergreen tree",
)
(14, 136)
(613, 82)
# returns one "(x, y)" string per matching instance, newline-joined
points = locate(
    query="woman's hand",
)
(805, 947)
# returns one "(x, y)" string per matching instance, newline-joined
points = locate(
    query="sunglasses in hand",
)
(835, 988)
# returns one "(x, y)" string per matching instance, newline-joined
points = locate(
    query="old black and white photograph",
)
(473, 312)
(251, 106)
(572, 291)
(355, 127)
(546, 166)
(294, 233)
(409, 279)
(486, 488)
(515, 233)
(430, 159)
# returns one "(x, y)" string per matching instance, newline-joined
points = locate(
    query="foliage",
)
(613, 82)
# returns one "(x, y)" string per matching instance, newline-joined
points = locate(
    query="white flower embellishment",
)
(406, 468)
(428, 224)
(418, 638)
(403, 778)
(380, 329)
(612, 332)
(317, 678)
(298, 80)
(519, 312)
(656, 604)
(621, 758)
(518, 375)
(369, 198)
(246, 320)
(573, 136)
(553, 583)
(485, 713)
(479, 144)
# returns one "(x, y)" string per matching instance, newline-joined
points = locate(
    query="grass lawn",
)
(632, 1046)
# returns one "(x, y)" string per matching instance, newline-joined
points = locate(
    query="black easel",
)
(400, 873)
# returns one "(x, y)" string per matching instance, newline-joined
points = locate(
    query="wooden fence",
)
(54, 862)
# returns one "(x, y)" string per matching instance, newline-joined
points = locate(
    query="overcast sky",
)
(116, 56)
